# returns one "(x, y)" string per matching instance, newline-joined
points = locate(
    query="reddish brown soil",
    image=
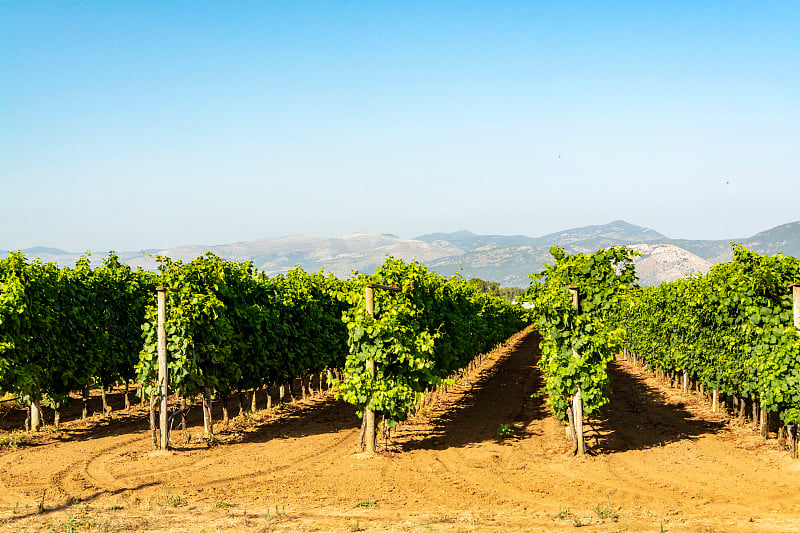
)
(663, 462)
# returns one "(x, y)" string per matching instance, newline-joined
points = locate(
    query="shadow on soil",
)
(497, 406)
(318, 414)
(45, 509)
(641, 416)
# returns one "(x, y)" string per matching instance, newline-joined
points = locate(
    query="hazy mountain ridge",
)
(507, 259)
(784, 238)
(359, 251)
(666, 262)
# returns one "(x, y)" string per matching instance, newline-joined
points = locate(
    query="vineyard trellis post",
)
(796, 319)
(369, 413)
(163, 372)
(577, 400)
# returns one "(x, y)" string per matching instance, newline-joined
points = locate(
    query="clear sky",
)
(129, 125)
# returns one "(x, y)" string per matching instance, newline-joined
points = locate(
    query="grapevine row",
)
(730, 330)
(578, 339)
(231, 328)
(419, 335)
(62, 330)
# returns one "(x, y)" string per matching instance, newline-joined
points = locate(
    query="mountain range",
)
(507, 259)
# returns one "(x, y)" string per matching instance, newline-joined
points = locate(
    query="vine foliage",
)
(577, 344)
(419, 335)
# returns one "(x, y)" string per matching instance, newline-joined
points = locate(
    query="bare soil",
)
(662, 462)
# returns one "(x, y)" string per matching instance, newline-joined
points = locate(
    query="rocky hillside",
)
(667, 262)
(360, 251)
(507, 259)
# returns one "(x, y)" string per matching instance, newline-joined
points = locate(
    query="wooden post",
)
(36, 415)
(183, 421)
(369, 414)
(163, 372)
(796, 314)
(756, 413)
(577, 400)
(577, 408)
(152, 420)
(208, 419)
(686, 382)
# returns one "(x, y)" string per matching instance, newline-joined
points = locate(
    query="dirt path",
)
(663, 462)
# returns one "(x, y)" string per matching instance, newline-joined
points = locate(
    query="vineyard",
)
(732, 332)
(232, 330)
(700, 378)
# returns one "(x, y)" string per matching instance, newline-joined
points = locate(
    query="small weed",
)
(115, 507)
(367, 503)
(223, 505)
(172, 500)
(354, 526)
(40, 506)
(278, 514)
(563, 514)
(604, 510)
(578, 522)
(662, 530)
(74, 523)
(505, 430)
(14, 440)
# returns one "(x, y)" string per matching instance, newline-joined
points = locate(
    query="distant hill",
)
(467, 240)
(616, 232)
(362, 252)
(511, 265)
(507, 259)
(784, 238)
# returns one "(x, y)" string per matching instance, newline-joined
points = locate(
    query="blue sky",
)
(129, 125)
